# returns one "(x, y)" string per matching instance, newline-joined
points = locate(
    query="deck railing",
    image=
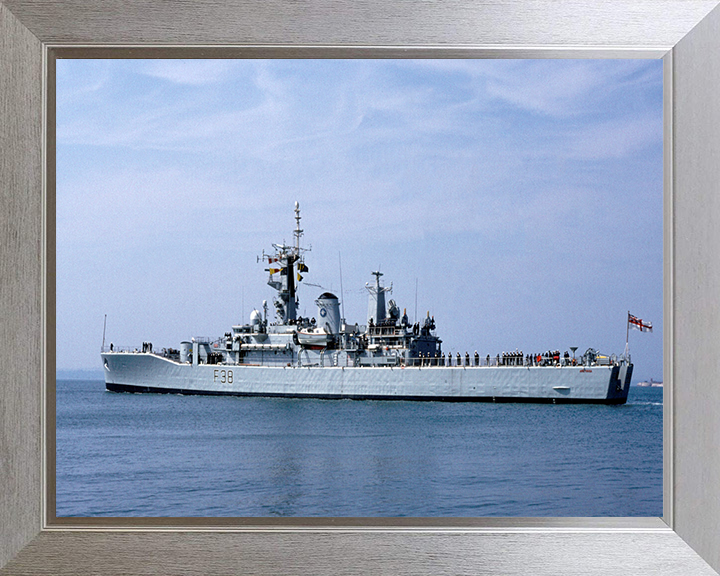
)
(499, 361)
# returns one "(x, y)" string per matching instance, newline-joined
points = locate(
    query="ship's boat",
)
(387, 358)
(314, 338)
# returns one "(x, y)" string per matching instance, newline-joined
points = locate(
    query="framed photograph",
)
(485, 186)
(35, 538)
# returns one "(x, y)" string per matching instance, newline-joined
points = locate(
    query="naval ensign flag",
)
(635, 322)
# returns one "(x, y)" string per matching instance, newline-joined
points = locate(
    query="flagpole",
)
(627, 329)
(627, 333)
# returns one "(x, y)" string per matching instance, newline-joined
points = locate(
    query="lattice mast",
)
(283, 274)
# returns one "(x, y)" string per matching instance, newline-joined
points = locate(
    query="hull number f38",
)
(223, 376)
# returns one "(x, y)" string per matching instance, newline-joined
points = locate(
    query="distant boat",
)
(651, 383)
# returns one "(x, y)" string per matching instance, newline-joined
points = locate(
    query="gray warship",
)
(388, 358)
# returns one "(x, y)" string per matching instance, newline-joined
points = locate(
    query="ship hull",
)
(144, 372)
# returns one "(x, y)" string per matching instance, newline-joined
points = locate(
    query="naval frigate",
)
(388, 358)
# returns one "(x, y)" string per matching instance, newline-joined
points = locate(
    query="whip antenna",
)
(342, 296)
(104, 325)
(416, 282)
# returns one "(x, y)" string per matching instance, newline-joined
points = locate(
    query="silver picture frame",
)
(685, 33)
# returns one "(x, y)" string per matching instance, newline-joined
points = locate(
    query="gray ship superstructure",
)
(388, 358)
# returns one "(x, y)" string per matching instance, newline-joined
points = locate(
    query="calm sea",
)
(172, 455)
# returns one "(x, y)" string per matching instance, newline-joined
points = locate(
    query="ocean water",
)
(172, 455)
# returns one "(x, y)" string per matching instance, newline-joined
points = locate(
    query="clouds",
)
(178, 103)
(575, 88)
(399, 163)
(413, 132)
(188, 72)
(560, 88)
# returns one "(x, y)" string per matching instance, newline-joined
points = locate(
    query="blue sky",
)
(523, 196)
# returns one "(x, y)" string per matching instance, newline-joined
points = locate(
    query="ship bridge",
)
(389, 336)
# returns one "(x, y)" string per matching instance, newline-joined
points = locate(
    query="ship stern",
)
(619, 384)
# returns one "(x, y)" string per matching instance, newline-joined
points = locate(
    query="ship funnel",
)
(185, 351)
(328, 312)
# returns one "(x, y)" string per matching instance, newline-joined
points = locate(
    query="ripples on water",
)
(172, 455)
